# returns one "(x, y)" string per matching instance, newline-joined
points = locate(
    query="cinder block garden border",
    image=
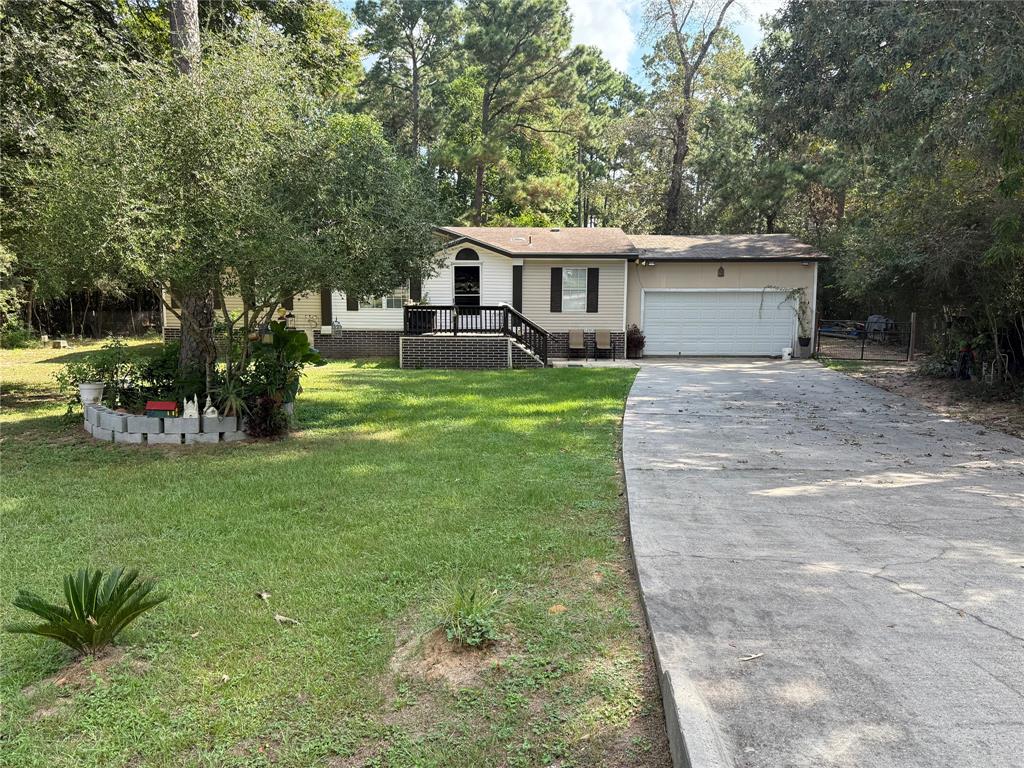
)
(108, 425)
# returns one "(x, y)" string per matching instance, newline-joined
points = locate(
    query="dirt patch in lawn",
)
(81, 674)
(432, 657)
(952, 398)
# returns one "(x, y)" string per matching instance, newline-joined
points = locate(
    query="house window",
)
(574, 289)
(394, 300)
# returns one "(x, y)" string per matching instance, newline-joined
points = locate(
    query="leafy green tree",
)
(519, 51)
(906, 117)
(415, 44)
(606, 100)
(686, 32)
(231, 181)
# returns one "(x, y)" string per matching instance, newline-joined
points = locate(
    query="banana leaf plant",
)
(96, 609)
(278, 362)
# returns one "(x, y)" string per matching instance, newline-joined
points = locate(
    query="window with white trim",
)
(574, 289)
(394, 300)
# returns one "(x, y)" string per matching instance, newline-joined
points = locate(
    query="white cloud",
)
(605, 24)
(745, 19)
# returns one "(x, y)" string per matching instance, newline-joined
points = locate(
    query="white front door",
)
(717, 322)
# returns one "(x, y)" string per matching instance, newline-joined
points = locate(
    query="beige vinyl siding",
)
(701, 274)
(495, 277)
(306, 309)
(610, 291)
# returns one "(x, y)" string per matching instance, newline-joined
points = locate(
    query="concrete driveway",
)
(834, 576)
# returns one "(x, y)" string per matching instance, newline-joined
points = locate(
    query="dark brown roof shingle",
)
(556, 241)
(724, 248)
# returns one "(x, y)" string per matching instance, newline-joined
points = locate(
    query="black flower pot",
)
(805, 341)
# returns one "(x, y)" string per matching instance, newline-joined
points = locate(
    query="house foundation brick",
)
(523, 359)
(467, 352)
(357, 343)
(172, 334)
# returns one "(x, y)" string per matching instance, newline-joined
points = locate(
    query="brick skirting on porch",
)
(558, 344)
(353, 343)
(467, 352)
(172, 334)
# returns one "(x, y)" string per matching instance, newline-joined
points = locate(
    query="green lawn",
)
(397, 481)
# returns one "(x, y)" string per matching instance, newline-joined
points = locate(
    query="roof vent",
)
(555, 229)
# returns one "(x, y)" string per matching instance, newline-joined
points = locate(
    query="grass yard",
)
(398, 481)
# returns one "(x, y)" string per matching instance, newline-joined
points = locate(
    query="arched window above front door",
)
(467, 254)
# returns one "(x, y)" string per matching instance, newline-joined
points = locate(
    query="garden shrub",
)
(95, 610)
(16, 336)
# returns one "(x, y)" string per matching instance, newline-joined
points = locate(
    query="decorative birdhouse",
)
(161, 408)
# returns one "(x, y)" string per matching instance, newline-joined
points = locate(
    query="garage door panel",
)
(716, 323)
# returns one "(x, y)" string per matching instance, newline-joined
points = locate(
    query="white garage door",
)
(717, 323)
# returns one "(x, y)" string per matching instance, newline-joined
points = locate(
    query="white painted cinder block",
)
(181, 425)
(144, 424)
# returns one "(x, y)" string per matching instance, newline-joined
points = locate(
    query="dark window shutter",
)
(556, 289)
(415, 288)
(288, 303)
(517, 287)
(592, 283)
(351, 302)
(326, 313)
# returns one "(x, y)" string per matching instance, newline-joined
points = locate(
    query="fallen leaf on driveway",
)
(284, 619)
(751, 657)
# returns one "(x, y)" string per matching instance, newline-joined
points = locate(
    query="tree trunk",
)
(478, 187)
(415, 107)
(674, 197)
(478, 195)
(196, 306)
(185, 35)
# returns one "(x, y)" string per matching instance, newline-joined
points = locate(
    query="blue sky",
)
(616, 27)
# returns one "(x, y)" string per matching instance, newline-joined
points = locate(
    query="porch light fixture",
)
(289, 320)
(721, 271)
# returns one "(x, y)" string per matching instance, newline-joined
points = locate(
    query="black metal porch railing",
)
(421, 319)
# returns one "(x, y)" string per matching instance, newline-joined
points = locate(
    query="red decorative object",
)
(161, 408)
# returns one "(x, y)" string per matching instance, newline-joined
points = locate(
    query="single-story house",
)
(509, 297)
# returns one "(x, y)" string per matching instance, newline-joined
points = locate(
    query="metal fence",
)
(877, 338)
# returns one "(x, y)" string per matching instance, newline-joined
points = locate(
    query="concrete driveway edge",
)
(693, 739)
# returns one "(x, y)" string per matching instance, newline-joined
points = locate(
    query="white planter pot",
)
(90, 392)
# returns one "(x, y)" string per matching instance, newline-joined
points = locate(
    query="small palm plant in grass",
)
(97, 609)
(468, 613)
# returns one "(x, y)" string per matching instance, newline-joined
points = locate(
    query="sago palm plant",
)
(97, 608)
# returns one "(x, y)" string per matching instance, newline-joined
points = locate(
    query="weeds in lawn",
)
(469, 613)
(97, 609)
